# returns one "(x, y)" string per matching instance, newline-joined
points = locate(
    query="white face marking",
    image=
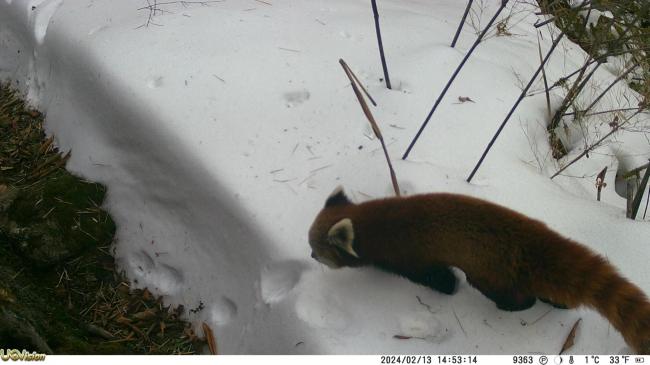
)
(326, 262)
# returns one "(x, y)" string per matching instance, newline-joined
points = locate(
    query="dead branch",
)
(373, 123)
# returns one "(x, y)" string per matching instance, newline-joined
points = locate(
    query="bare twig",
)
(363, 88)
(605, 111)
(458, 320)
(184, 3)
(573, 93)
(540, 317)
(635, 171)
(154, 7)
(428, 307)
(600, 96)
(596, 144)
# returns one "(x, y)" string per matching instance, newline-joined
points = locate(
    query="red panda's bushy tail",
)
(582, 277)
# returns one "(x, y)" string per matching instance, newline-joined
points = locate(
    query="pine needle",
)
(209, 337)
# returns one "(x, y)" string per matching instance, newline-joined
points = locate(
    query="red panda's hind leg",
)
(509, 299)
(556, 305)
(512, 300)
(437, 277)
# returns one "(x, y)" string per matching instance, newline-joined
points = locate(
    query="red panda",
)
(510, 258)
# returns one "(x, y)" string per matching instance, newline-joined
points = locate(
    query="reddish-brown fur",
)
(510, 258)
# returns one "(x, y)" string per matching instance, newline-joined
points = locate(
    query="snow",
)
(220, 128)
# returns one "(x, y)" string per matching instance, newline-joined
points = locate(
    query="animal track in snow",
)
(223, 311)
(167, 279)
(142, 262)
(277, 280)
(295, 98)
(402, 86)
(43, 11)
(350, 37)
(97, 29)
(154, 82)
(164, 278)
(423, 325)
(322, 310)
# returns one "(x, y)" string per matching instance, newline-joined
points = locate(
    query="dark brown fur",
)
(510, 258)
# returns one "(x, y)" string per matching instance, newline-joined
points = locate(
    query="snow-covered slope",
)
(220, 128)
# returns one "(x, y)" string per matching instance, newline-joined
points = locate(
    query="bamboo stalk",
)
(512, 110)
(631, 189)
(639, 193)
(462, 22)
(646, 205)
(600, 182)
(548, 97)
(380, 43)
(453, 77)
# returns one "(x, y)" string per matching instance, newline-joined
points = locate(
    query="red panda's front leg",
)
(437, 277)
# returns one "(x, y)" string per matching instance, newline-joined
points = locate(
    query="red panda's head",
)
(331, 236)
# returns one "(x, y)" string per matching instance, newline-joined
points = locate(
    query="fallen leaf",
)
(402, 337)
(189, 333)
(570, 340)
(122, 320)
(145, 314)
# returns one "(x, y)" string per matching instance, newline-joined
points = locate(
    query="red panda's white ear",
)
(342, 235)
(337, 197)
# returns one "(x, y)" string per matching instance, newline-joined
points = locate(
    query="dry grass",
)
(84, 305)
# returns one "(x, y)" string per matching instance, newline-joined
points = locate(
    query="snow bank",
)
(221, 127)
